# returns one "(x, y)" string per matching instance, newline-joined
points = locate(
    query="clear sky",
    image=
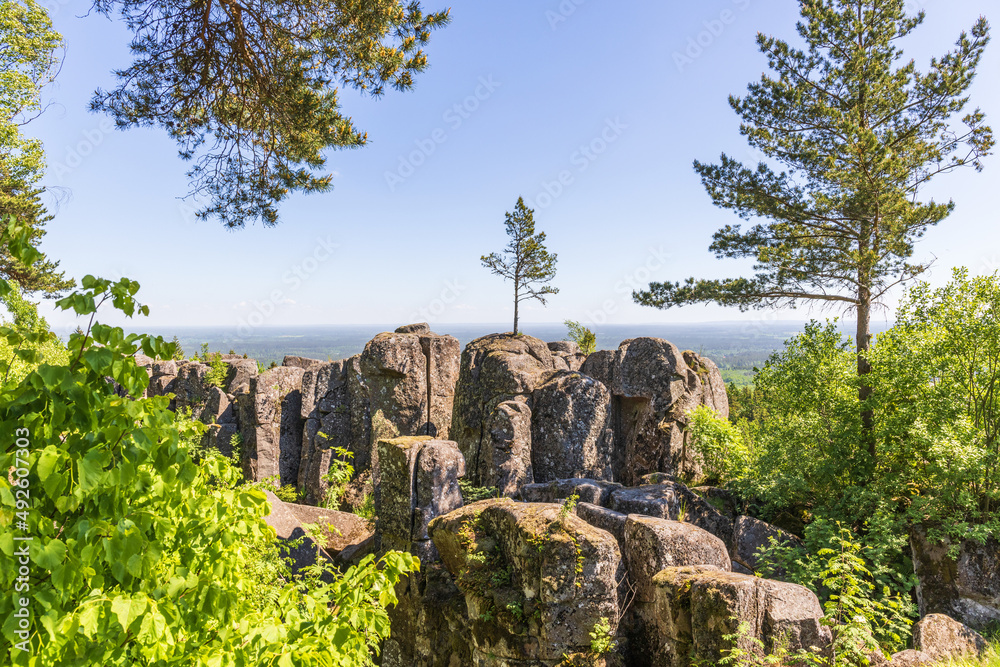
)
(614, 98)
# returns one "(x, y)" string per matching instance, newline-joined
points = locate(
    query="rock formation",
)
(966, 588)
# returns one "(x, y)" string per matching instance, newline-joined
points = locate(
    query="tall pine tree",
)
(858, 132)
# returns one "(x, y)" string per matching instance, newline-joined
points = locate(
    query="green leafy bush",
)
(137, 554)
(720, 444)
(218, 371)
(582, 336)
(337, 477)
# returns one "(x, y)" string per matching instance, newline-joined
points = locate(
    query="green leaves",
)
(128, 609)
(48, 556)
(139, 555)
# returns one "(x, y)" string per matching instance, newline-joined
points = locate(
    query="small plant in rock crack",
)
(338, 476)
(602, 639)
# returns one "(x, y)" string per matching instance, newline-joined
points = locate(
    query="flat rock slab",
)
(653, 544)
(340, 530)
(289, 528)
(587, 491)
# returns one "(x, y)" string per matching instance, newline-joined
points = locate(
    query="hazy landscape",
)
(736, 347)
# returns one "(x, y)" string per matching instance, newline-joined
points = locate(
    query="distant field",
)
(737, 347)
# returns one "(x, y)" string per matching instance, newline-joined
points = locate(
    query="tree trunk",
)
(863, 340)
(516, 302)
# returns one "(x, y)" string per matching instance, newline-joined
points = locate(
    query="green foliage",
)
(525, 261)
(602, 639)
(808, 451)
(568, 507)
(288, 493)
(860, 621)
(472, 493)
(720, 444)
(28, 61)
(139, 555)
(937, 373)
(858, 133)
(366, 510)
(749, 651)
(248, 89)
(218, 371)
(37, 346)
(582, 336)
(337, 477)
(178, 354)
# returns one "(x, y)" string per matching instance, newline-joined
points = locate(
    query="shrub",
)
(582, 336)
(218, 371)
(720, 444)
(138, 555)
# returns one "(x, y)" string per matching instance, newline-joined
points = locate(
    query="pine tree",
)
(858, 133)
(525, 261)
(248, 88)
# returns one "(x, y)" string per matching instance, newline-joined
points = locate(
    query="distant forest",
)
(737, 347)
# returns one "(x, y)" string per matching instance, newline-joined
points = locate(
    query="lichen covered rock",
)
(571, 434)
(494, 369)
(536, 579)
(505, 454)
(696, 607)
(941, 637)
(652, 545)
(966, 588)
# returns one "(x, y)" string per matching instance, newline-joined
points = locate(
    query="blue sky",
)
(592, 110)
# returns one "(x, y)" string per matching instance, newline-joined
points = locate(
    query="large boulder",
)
(443, 354)
(599, 365)
(395, 371)
(566, 355)
(966, 588)
(301, 362)
(191, 389)
(241, 372)
(652, 545)
(536, 579)
(749, 535)
(494, 369)
(571, 434)
(410, 380)
(654, 386)
(942, 637)
(698, 607)
(416, 480)
(329, 432)
(505, 462)
(270, 419)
